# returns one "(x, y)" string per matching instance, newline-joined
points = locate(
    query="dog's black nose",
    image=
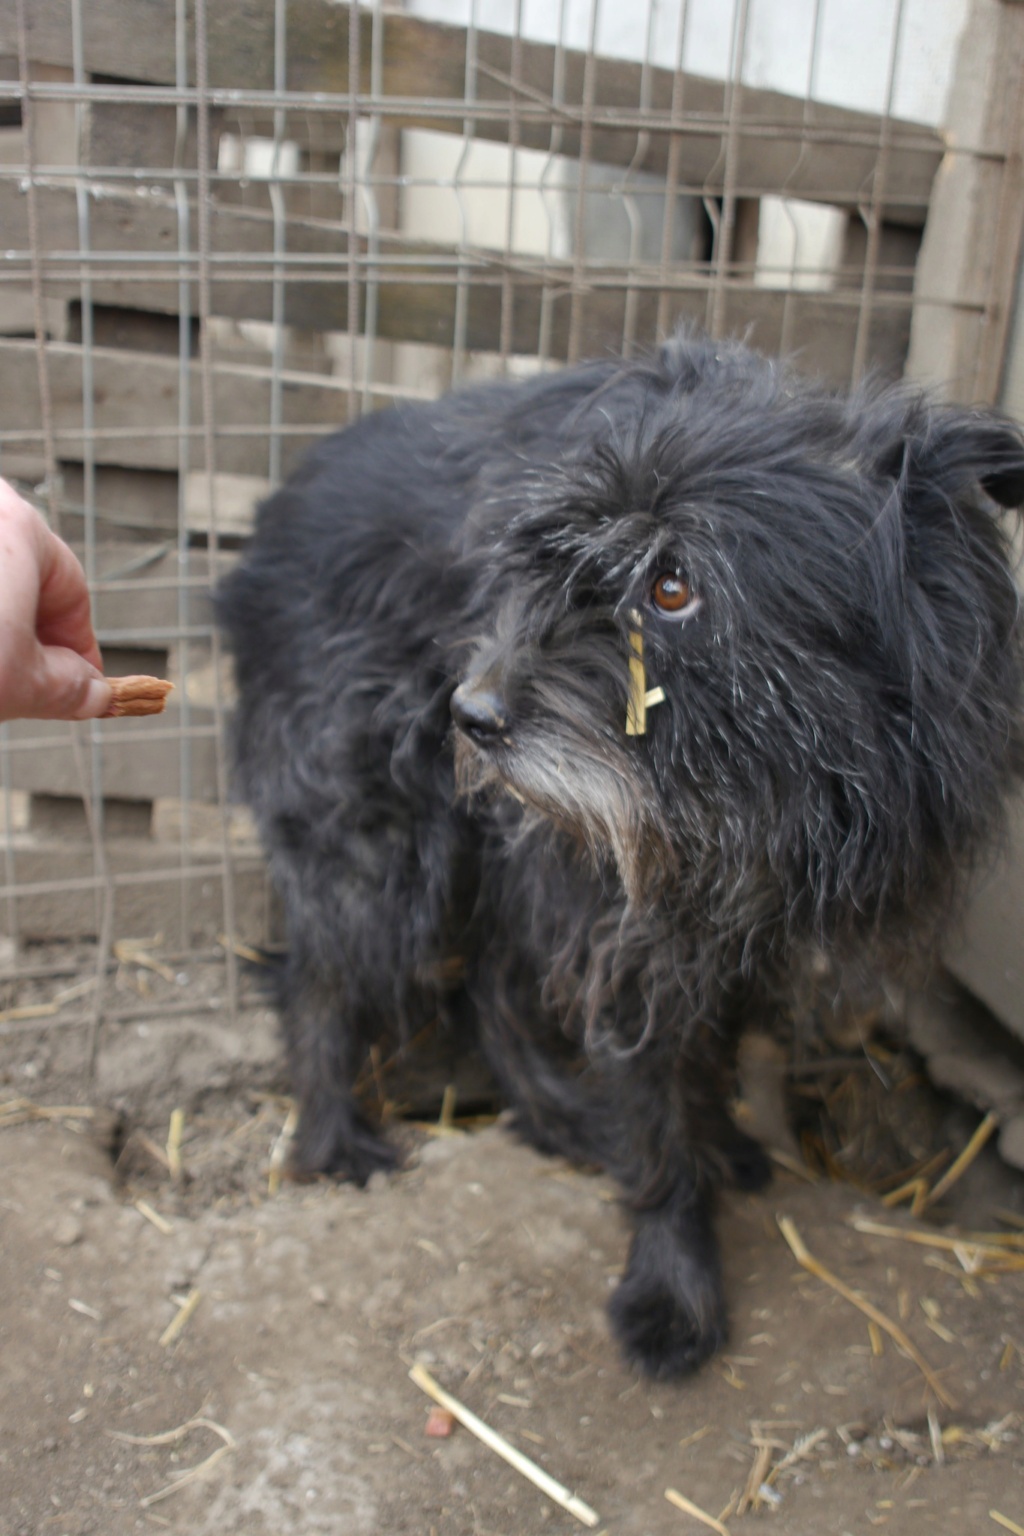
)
(479, 713)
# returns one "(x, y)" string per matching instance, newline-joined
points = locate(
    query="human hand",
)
(50, 663)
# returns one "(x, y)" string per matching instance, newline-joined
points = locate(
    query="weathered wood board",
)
(58, 894)
(136, 764)
(812, 151)
(139, 586)
(130, 503)
(135, 399)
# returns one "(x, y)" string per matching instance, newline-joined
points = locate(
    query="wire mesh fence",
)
(229, 229)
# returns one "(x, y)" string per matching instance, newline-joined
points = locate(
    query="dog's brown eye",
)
(671, 592)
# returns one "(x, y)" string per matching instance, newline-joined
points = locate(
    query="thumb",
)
(66, 687)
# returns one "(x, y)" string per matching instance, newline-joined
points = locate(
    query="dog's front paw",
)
(340, 1143)
(668, 1312)
(662, 1333)
(750, 1167)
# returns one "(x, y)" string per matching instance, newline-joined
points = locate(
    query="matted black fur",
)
(826, 599)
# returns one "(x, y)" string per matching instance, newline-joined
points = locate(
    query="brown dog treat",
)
(440, 1424)
(137, 696)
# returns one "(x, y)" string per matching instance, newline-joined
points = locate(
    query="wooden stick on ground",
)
(1007, 1524)
(758, 1472)
(279, 1151)
(964, 1161)
(15, 1111)
(180, 1318)
(174, 1131)
(501, 1447)
(989, 1245)
(895, 1332)
(689, 1508)
(160, 1222)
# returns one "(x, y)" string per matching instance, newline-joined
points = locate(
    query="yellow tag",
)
(636, 706)
(641, 698)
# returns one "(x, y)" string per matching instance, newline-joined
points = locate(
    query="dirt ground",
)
(289, 1381)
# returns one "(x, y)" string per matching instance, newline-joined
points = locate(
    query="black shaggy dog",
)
(470, 811)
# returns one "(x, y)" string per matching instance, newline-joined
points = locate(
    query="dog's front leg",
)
(325, 1048)
(676, 1145)
(668, 1311)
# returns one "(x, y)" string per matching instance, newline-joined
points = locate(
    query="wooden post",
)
(970, 256)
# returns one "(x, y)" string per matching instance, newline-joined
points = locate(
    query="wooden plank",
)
(967, 272)
(129, 134)
(136, 396)
(12, 143)
(138, 655)
(1008, 233)
(129, 502)
(418, 285)
(123, 225)
(827, 152)
(235, 498)
(147, 897)
(17, 312)
(55, 135)
(65, 816)
(125, 135)
(137, 764)
(132, 330)
(137, 587)
(136, 408)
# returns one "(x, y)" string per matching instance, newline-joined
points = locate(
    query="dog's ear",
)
(1001, 461)
(955, 449)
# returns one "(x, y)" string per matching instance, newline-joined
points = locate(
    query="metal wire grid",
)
(354, 203)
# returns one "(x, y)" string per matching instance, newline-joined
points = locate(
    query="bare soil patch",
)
(489, 1264)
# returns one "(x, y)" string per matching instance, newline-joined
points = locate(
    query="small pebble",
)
(67, 1230)
(440, 1424)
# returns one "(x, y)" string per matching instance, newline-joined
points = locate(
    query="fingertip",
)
(96, 700)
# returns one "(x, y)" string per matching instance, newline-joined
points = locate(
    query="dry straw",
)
(160, 1222)
(501, 1447)
(177, 1323)
(895, 1332)
(279, 1151)
(988, 1126)
(690, 1508)
(174, 1133)
(1006, 1523)
(171, 1437)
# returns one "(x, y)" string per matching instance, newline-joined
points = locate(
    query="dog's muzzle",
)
(480, 714)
